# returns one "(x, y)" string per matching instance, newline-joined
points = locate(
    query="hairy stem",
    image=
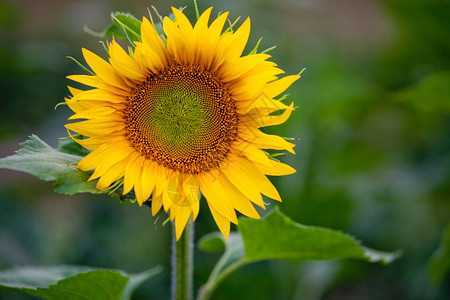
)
(182, 263)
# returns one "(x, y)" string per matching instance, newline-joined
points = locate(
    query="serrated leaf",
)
(39, 159)
(130, 26)
(279, 238)
(440, 263)
(74, 282)
(124, 27)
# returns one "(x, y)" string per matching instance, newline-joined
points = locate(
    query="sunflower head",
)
(180, 114)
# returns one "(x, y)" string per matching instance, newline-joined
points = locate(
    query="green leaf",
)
(130, 22)
(124, 27)
(430, 96)
(39, 159)
(278, 237)
(74, 282)
(130, 26)
(69, 146)
(440, 264)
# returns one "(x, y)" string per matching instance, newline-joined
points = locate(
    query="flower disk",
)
(182, 118)
(181, 115)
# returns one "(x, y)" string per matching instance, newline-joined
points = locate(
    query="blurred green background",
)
(373, 157)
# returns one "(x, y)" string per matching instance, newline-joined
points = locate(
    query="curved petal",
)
(124, 64)
(104, 70)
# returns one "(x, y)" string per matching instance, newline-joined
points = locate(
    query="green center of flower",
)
(182, 118)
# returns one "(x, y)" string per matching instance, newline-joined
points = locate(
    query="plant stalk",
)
(182, 263)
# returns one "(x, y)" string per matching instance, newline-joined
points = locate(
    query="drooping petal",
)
(222, 222)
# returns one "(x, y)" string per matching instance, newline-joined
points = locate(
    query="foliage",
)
(39, 159)
(440, 264)
(124, 26)
(277, 237)
(74, 282)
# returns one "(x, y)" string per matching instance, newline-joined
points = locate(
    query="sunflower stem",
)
(182, 263)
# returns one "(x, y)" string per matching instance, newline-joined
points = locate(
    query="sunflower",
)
(181, 115)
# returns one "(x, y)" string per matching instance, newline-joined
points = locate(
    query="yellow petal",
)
(130, 176)
(216, 196)
(148, 178)
(243, 148)
(275, 88)
(135, 172)
(148, 59)
(74, 91)
(240, 202)
(222, 222)
(104, 70)
(181, 220)
(240, 38)
(95, 127)
(95, 142)
(233, 173)
(162, 178)
(242, 65)
(152, 40)
(276, 168)
(96, 112)
(261, 104)
(262, 121)
(110, 158)
(217, 25)
(94, 81)
(124, 64)
(251, 176)
(202, 22)
(191, 188)
(195, 210)
(90, 161)
(266, 141)
(251, 85)
(174, 191)
(114, 173)
(156, 204)
(99, 95)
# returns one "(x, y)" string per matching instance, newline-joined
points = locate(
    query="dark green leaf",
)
(73, 282)
(69, 146)
(39, 159)
(440, 264)
(278, 237)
